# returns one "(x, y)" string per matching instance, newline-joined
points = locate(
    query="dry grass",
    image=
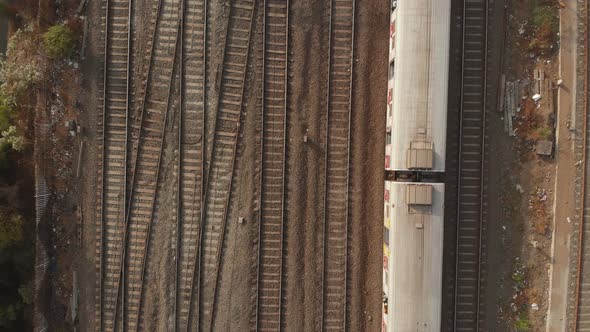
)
(546, 23)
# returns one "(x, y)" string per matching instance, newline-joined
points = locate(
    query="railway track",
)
(148, 136)
(113, 177)
(471, 185)
(273, 160)
(582, 300)
(191, 149)
(337, 159)
(222, 157)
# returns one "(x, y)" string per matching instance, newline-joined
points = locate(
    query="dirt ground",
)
(518, 241)
(309, 37)
(366, 232)
(306, 106)
(61, 98)
(521, 182)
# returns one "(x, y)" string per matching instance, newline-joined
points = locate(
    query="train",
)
(415, 152)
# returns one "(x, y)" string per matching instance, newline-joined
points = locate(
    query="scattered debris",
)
(81, 7)
(544, 147)
(510, 106)
(536, 97)
(542, 195)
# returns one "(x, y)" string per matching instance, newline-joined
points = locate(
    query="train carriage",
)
(416, 122)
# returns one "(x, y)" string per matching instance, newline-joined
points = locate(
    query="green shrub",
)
(11, 230)
(4, 8)
(26, 292)
(544, 132)
(545, 20)
(8, 313)
(6, 116)
(546, 16)
(519, 275)
(59, 41)
(19, 69)
(522, 324)
(11, 137)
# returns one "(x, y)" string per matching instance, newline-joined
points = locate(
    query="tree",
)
(26, 293)
(19, 69)
(8, 314)
(10, 137)
(59, 41)
(11, 229)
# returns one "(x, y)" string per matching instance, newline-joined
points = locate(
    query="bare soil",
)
(520, 186)
(367, 159)
(306, 106)
(304, 200)
(60, 98)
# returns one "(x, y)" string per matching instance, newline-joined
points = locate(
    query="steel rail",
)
(235, 7)
(99, 313)
(461, 100)
(260, 185)
(323, 275)
(261, 194)
(581, 239)
(196, 295)
(179, 170)
(120, 287)
(349, 129)
(206, 166)
(233, 166)
(157, 177)
(180, 221)
(120, 282)
(483, 163)
(196, 262)
(178, 173)
(481, 211)
(134, 169)
(330, 107)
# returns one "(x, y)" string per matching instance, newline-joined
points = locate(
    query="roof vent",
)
(419, 194)
(419, 200)
(419, 155)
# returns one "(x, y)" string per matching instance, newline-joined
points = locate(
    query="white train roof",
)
(414, 262)
(419, 85)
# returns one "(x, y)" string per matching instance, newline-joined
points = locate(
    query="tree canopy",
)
(59, 41)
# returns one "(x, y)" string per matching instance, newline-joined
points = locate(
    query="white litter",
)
(536, 97)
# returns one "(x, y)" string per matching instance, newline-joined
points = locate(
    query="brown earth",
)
(520, 186)
(367, 159)
(306, 106)
(304, 200)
